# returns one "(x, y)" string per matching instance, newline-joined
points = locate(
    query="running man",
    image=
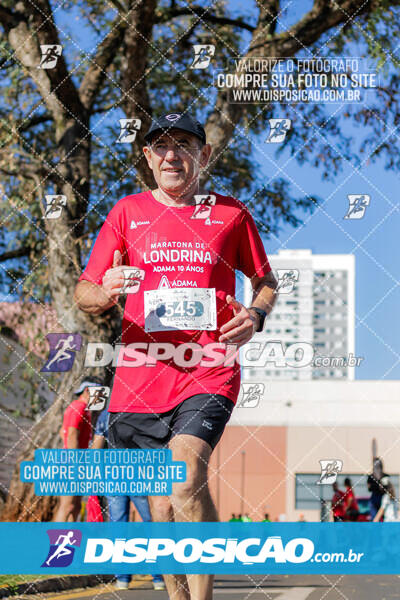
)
(62, 550)
(163, 396)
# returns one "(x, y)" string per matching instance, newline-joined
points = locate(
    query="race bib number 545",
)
(183, 308)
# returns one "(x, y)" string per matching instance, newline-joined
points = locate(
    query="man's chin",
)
(176, 187)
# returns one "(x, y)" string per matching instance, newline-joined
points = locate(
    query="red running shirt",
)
(176, 251)
(79, 417)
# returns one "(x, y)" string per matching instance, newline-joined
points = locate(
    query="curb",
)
(55, 584)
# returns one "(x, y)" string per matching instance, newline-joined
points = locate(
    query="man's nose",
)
(172, 153)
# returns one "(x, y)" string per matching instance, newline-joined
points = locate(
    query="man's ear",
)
(147, 153)
(205, 155)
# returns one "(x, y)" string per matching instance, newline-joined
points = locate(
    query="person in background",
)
(233, 518)
(301, 519)
(76, 432)
(337, 503)
(118, 506)
(350, 503)
(388, 507)
(266, 519)
(246, 518)
(375, 487)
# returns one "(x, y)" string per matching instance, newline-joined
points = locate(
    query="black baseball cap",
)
(176, 121)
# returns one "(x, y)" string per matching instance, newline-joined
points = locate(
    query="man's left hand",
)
(242, 327)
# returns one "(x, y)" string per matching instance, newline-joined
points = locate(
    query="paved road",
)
(258, 587)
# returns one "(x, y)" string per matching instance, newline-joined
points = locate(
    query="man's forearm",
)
(264, 294)
(91, 298)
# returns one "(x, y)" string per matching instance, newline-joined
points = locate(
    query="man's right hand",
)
(95, 299)
(113, 280)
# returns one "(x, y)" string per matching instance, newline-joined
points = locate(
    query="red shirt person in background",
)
(337, 503)
(76, 433)
(350, 503)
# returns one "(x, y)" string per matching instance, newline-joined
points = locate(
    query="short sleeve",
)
(75, 416)
(109, 239)
(252, 259)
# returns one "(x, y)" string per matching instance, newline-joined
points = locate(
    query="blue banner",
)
(241, 548)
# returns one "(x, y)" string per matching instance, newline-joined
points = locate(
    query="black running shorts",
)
(202, 415)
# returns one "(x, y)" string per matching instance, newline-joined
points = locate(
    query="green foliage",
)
(320, 136)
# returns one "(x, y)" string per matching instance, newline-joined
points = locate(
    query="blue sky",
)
(374, 242)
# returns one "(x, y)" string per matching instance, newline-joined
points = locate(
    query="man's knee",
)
(194, 485)
(196, 453)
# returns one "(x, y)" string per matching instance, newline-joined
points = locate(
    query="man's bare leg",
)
(161, 511)
(191, 500)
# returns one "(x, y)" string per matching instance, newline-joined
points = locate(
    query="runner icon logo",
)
(278, 130)
(50, 54)
(132, 278)
(202, 55)
(357, 206)
(62, 352)
(129, 129)
(204, 204)
(286, 280)
(54, 206)
(251, 395)
(98, 397)
(62, 547)
(329, 471)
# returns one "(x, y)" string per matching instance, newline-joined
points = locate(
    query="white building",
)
(316, 305)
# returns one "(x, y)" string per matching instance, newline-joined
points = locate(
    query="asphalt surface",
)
(258, 587)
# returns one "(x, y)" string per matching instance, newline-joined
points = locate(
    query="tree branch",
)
(171, 13)
(323, 16)
(34, 26)
(9, 18)
(23, 251)
(95, 74)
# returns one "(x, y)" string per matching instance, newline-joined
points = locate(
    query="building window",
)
(308, 493)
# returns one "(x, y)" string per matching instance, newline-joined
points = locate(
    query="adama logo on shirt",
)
(135, 224)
